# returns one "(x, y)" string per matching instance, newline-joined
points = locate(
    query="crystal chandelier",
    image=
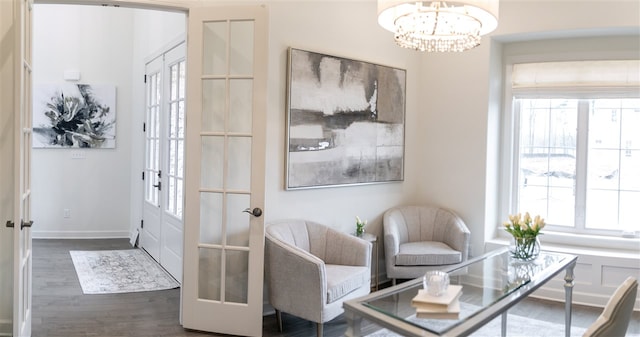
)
(438, 26)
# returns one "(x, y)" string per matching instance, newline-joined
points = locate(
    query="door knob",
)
(158, 185)
(255, 212)
(25, 224)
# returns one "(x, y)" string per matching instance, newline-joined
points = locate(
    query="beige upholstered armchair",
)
(614, 320)
(422, 238)
(311, 269)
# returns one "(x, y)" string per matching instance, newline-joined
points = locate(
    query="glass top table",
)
(491, 284)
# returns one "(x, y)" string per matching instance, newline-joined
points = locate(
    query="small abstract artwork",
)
(345, 121)
(74, 116)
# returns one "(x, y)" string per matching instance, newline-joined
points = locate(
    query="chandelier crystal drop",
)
(438, 26)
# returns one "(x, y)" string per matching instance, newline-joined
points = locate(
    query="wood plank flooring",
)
(62, 310)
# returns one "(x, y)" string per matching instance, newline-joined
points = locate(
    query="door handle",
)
(158, 185)
(257, 212)
(25, 224)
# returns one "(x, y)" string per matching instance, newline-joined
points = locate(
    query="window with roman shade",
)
(575, 135)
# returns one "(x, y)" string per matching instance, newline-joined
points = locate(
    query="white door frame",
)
(23, 257)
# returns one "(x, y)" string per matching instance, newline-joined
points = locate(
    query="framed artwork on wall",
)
(70, 115)
(345, 121)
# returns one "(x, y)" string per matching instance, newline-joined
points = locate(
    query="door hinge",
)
(142, 175)
(141, 223)
(144, 127)
(145, 78)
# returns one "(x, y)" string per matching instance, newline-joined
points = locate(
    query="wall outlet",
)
(66, 213)
(78, 155)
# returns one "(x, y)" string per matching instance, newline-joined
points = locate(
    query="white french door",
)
(224, 227)
(22, 231)
(16, 112)
(161, 233)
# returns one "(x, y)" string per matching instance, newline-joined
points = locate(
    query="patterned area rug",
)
(119, 271)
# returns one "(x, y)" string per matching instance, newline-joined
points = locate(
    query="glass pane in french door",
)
(209, 274)
(240, 100)
(241, 45)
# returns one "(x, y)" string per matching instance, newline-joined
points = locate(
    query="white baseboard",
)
(80, 234)
(6, 327)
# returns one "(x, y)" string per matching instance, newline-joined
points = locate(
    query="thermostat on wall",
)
(72, 75)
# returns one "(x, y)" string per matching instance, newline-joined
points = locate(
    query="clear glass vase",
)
(525, 248)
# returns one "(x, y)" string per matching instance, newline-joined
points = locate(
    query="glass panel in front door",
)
(175, 139)
(152, 139)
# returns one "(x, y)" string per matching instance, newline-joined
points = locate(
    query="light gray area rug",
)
(119, 271)
(517, 326)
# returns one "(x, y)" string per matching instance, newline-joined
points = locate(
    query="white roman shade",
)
(573, 78)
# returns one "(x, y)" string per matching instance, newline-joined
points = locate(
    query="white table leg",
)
(354, 325)
(503, 325)
(568, 292)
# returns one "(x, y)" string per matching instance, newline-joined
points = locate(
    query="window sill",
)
(584, 244)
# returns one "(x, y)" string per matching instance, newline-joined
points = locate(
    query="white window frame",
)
(509, 157)
(579, 226)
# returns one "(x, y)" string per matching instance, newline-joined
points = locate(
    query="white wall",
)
(97, 42)
(459, 105)
(154, 31)
(108, 46)
(352, 32)
(462, 114)
(454, 102)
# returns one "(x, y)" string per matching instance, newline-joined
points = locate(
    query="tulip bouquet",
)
(360, 226)
(525, 233)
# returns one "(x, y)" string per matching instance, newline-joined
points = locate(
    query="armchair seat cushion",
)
(427, 253)
(342, 280)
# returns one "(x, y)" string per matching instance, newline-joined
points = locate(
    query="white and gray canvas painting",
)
(346, 121)
(74, 116)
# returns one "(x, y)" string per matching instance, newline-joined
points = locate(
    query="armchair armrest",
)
(391, 234)
(344, 249)
(458, 236)
(308, 271)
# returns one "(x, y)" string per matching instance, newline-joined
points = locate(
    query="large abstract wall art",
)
(74, 116)
(345, 121)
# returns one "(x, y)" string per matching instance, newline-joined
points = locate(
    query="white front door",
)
(226, 121)
(151, 209)
(162, 227)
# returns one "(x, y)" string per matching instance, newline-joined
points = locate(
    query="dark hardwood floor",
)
(60, 309)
